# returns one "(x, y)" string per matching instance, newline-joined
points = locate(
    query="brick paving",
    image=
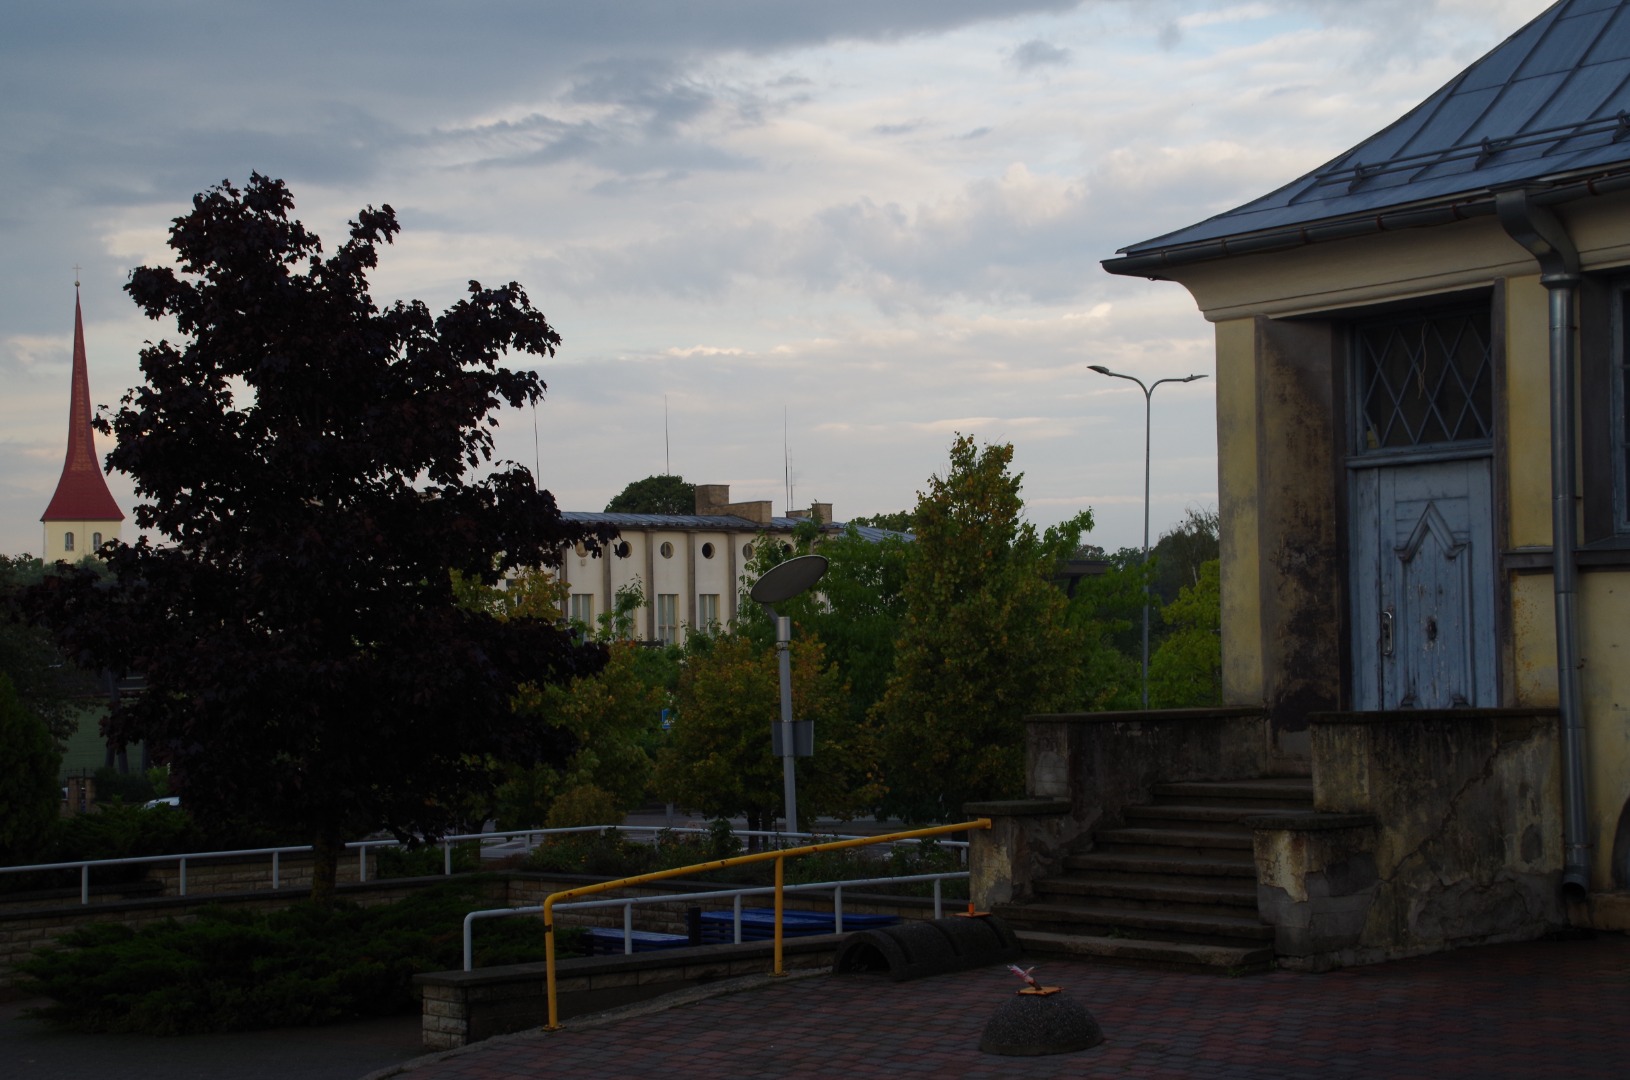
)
(1541, 1009)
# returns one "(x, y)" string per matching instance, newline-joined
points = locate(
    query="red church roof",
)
(82, 493)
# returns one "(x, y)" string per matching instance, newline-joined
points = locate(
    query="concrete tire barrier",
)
(916, 949)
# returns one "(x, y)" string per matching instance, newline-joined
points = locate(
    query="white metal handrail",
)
(627, 903)
(362, 846)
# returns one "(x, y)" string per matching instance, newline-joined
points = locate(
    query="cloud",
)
(1038, 54)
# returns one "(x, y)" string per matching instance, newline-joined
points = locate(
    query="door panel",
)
(1423, 586)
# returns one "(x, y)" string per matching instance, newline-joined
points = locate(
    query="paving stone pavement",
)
(1540, 1009)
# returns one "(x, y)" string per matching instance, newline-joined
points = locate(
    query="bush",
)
(427, 860)
(234, 970)
(583, 805)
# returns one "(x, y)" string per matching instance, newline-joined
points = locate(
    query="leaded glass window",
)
(1424, 379)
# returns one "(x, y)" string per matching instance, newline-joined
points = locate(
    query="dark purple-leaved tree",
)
(310, 461)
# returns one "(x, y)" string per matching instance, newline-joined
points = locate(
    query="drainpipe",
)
(1539, 230)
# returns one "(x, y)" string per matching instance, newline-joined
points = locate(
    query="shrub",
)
(583, 805)
(234, 970)
(427, 860)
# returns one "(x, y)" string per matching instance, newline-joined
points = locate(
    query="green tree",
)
(29, 793)
(898, 521)
(1107, 612)
(615, 715)
(314, 464)
(1186, 672)
(855, 612)
(984, 642)
(717, 758)
(663, 494)
(1183, 550)
(45, 683)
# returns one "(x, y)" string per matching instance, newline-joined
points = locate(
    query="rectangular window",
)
(582, 608)
(707, 611)
(1603, 395)
(1424, 380)
(667, 617)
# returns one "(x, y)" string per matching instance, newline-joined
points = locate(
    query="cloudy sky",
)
(875, 222)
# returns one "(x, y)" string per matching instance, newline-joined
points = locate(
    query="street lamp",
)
(1148, 397)
(783, 582)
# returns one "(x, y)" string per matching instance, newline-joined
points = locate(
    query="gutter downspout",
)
(1539, 231)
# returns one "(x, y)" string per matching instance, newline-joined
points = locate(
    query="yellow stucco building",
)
(1423, 364)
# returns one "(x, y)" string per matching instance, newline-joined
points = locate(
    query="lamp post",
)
(783, 582)
(1148, 399)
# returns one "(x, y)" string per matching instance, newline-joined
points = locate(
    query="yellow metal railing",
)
(780, 858)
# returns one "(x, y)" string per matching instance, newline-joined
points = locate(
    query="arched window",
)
(96, 540)
(67, 541)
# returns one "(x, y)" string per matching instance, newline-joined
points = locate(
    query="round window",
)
(667, 550)
(707, 551)
(581, 548)
(622, 549)
(747, 551)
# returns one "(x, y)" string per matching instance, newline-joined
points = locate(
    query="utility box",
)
(803, 738)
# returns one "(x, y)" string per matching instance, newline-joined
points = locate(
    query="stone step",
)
(1238, 839)
(1277, 793)
(1101, 916)
(1230, 864)
(1218, 894)
(1195, 816)
(1165, 955)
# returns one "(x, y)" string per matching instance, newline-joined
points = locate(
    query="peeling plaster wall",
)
(1438, 829)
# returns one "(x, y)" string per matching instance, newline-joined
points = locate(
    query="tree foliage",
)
(44, 682)
(1186, 671)
(310, 460)
(29, 762)
(717, 759)
(898, 521)
(855, 612)
(984, 640)
(664, 494)
(1183, 550)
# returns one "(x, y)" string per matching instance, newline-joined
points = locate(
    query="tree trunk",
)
(325, 855)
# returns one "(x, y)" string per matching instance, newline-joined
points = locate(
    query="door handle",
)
(1386, 632)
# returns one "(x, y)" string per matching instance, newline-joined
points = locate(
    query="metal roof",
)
(714, 523)
(82, 491)
(1550, 105)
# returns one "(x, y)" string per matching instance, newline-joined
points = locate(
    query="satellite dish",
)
(786, 580)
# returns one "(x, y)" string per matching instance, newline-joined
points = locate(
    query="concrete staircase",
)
(1174, 887)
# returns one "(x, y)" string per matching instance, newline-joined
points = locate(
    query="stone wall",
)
(1432, 830)
(462, 1007)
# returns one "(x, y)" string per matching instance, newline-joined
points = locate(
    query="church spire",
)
(82, 497)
